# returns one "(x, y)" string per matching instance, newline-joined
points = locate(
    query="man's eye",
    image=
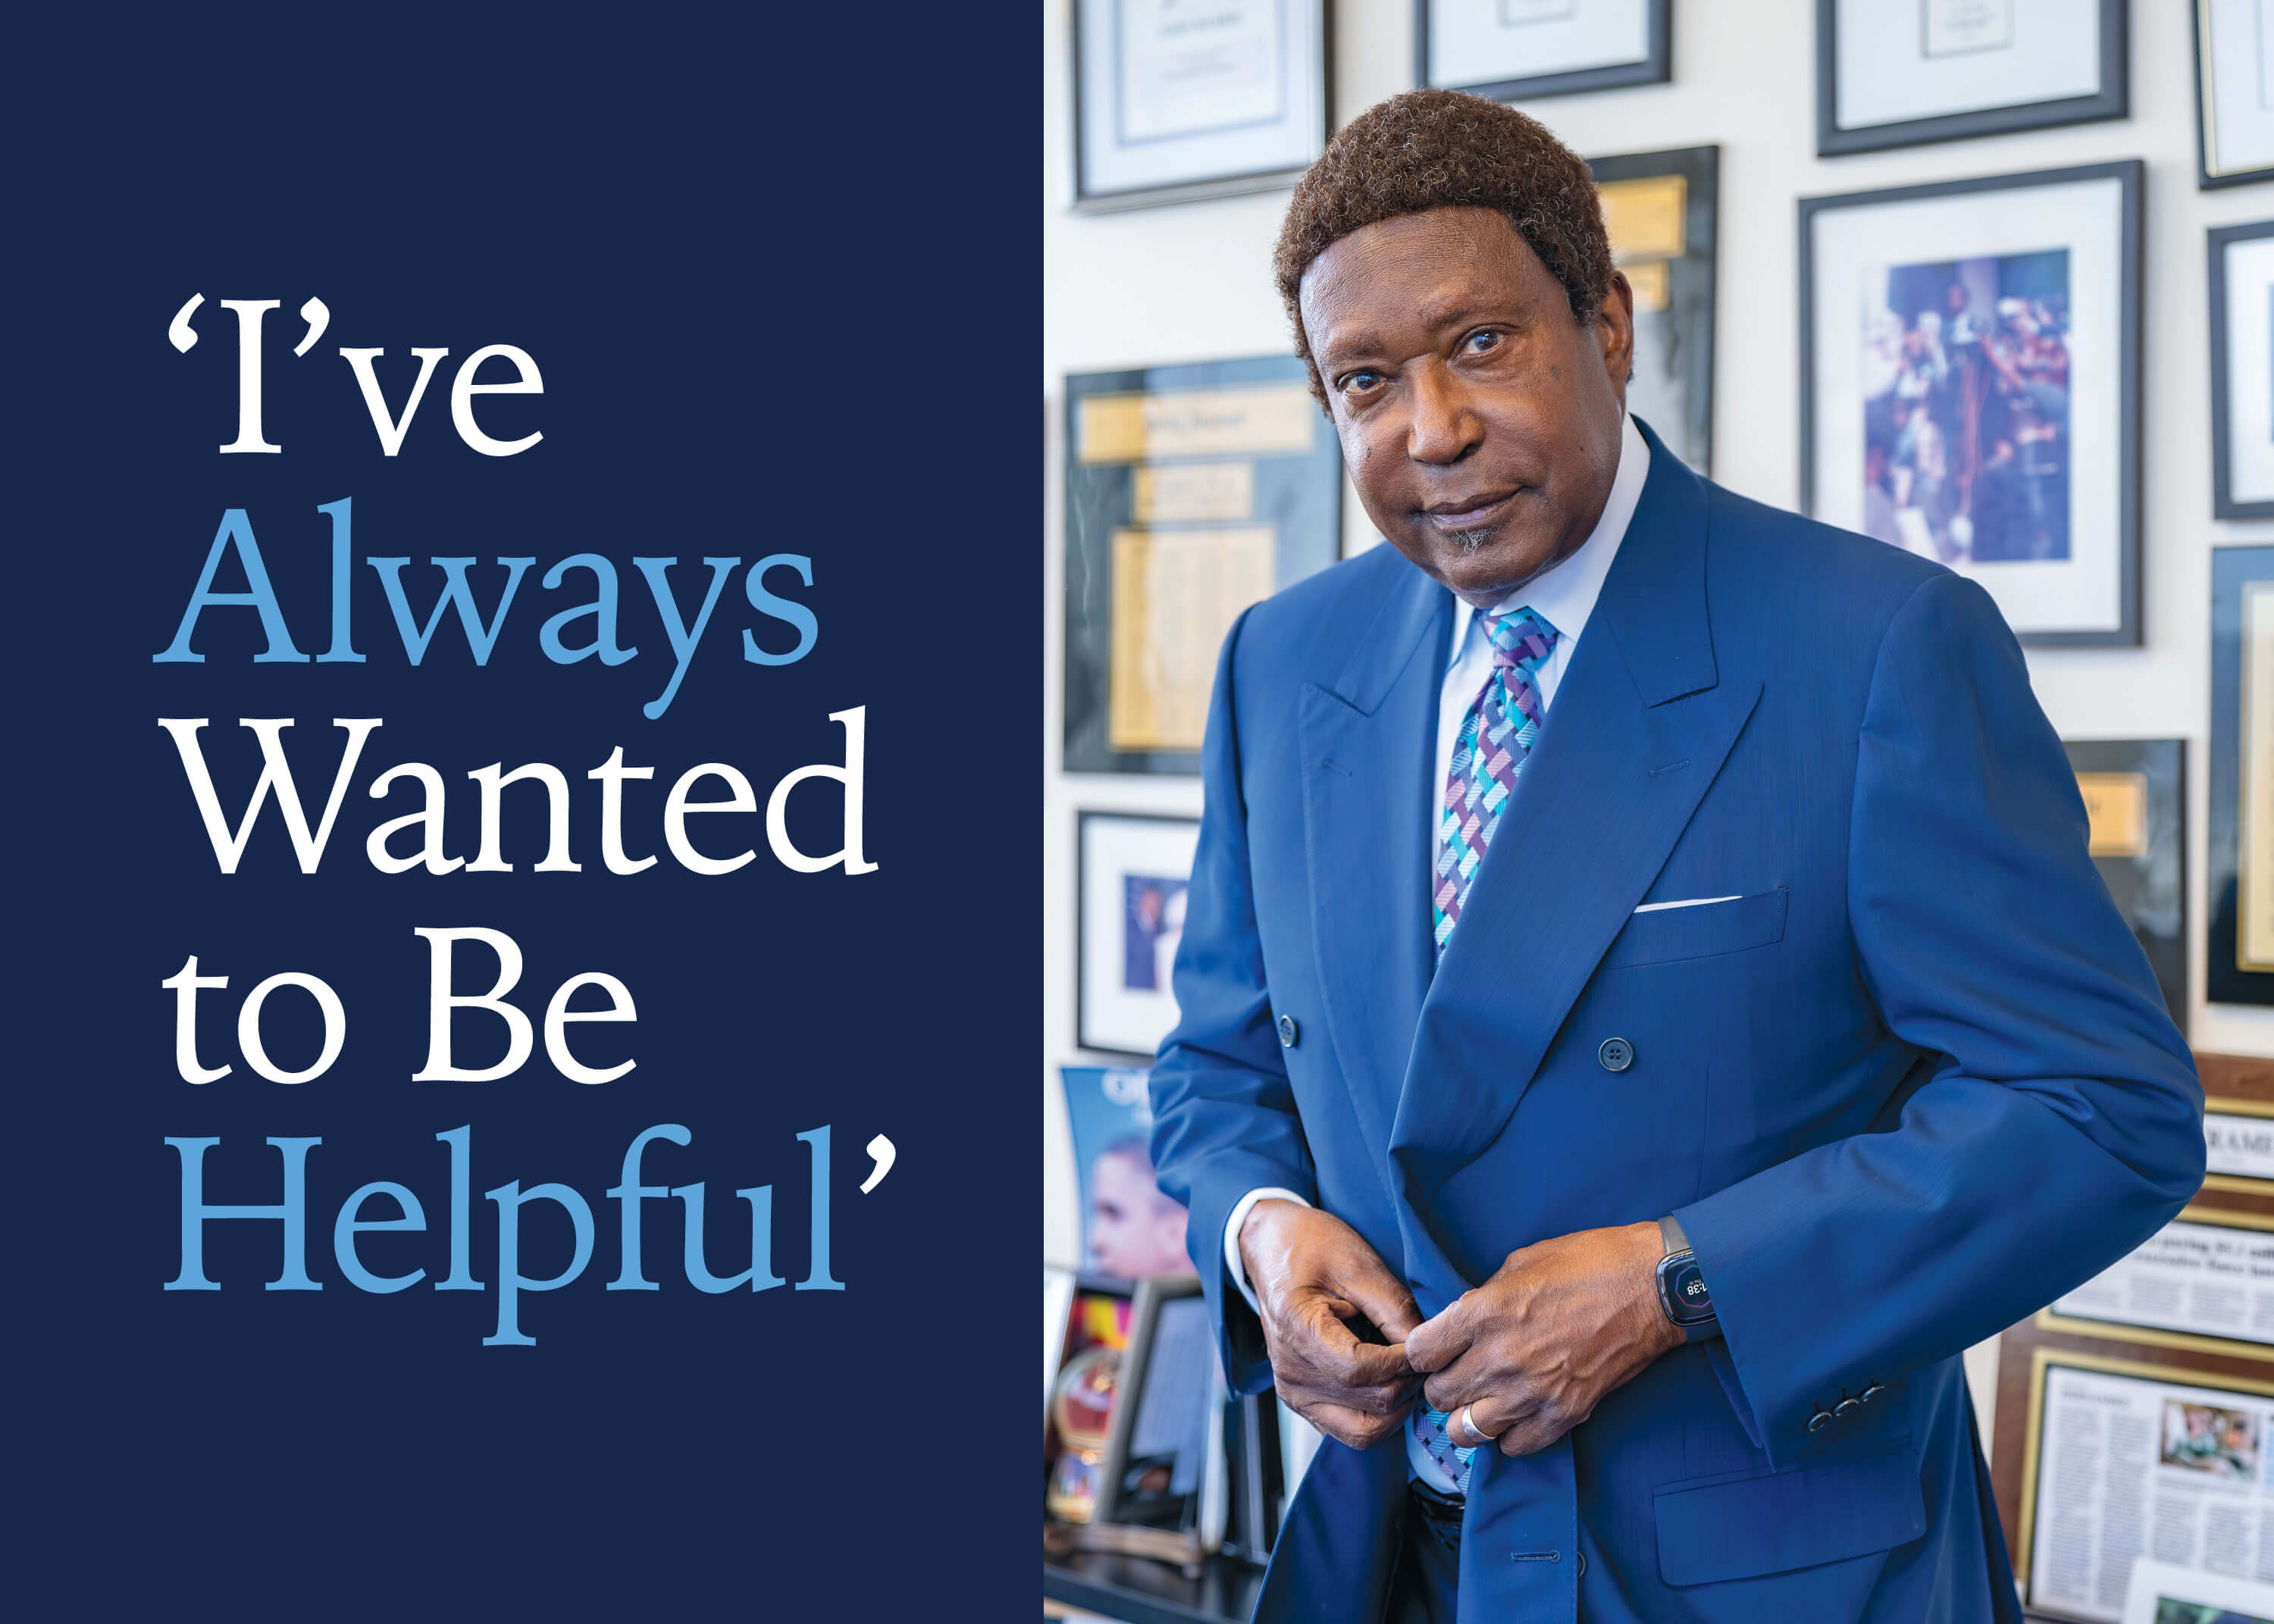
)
(1481, 344)
(1359, 382)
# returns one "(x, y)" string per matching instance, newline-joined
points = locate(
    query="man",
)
(1607, 871)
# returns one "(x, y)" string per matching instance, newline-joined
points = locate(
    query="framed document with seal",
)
(1905, 73)
(1191, 493)
(2135, 795)
(2241, 967)
(1177, 101)
(1513, 50)
(1662, 211)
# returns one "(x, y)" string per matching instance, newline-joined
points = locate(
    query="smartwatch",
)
(1682, 1290)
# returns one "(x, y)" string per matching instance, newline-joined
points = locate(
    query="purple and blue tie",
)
(1488, 754)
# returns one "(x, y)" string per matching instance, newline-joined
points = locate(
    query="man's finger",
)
(1353, 1427)
(1382, 1298)
(1336, 1352)
(1436, 1343)
(1533, 1433)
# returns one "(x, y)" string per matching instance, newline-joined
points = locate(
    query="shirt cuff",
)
(1232, 1266)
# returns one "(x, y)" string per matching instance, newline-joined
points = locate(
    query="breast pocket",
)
(1663, 935)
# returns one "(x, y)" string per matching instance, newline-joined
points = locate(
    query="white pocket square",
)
(1692, 902)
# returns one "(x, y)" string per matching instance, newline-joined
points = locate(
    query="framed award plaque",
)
(2135, 793)
(1191, 493)
(1661, 209)
(2241, 889)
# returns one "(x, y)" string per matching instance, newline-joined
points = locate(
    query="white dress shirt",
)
(1564, 596)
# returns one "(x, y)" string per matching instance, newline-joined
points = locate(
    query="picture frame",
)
(2240, 882)
(1662, 210)
(2241, 265)
(1158, 119)
(1969, 360)
(1082, 1396)
(1519, 51)
(1058, 1313)
(2235, 93)
(2151, 1297)
(1909, 73)
(2136, 799)
(2166, 1593)
(2238, 1132)
(1161, 1418)
(1131, 869)
(1192, 492)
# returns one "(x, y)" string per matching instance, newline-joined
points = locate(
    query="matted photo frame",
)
(2234, 92)
(2240, 883)
(1170, 106)
(1516, 50)
(2241, 260)
(1907, 73)
(1133, 869)
(1663, 209)
(1970, 380)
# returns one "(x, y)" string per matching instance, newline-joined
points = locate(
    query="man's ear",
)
(1614, 329)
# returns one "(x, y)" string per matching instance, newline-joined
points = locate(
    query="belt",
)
(1441, 1509)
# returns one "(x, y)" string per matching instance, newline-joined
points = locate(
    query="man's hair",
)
(1441, 149)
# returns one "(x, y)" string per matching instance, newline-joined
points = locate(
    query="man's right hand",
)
(1311, 1275)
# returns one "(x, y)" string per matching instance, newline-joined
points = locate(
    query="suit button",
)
(1821, 1420)
(1289, 1034)
(1872, 1391)
(1847, 1407)
(1617, 1054)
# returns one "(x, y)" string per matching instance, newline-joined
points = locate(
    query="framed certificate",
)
(1191, 493)
(1513, 50)
(2234, 92)
(1173, 102)
(2135, 795)
(2240, 886)
(1661, 209)
(1905, 73)
(1133, 872)
(1970, 381)
(2242, 371)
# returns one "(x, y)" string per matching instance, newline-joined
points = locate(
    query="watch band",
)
(1670, 1235)
(1684, 1297)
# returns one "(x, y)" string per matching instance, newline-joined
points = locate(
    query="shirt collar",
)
(1564, 596)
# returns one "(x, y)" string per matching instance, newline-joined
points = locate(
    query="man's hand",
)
(1535, 1347)
(1310, 1272)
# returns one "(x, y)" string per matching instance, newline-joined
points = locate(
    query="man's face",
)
(1479, 421)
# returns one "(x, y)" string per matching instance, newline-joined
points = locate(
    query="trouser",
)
(1428, 1560)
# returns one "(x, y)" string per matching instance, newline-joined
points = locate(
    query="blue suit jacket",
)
(1916, 1083)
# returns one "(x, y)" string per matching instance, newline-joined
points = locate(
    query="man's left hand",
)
(1535, 1347)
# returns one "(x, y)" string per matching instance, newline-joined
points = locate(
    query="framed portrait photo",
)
(2234, 92)
(2242, 371)
(1661, 209)
(1513, 50)
(1134, 869)
(1905, 73)
(1969, 370)
(1172, 103)
(2240, 965)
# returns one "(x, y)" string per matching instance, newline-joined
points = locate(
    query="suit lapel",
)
(1636, 732)
(1368, 757)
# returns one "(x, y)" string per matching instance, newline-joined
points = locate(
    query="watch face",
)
(1686, 1297)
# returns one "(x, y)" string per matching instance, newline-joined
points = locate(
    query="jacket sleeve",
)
(1223, 1114)
(2056, 1121)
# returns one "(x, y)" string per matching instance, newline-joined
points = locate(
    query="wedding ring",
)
(1469, 1421)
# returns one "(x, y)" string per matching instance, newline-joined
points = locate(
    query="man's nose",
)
(1443, 429)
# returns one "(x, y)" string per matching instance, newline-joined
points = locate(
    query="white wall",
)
(1192, 282)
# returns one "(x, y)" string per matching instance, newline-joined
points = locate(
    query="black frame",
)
(1693, 276)
(2205, 180)
(2112, 101)
(2222, 505)
(2132, 172)
(2224, 981)
(2141, 893)
(1082, 915)
(1088, 202)
(1655, 67)
(1152, 1295)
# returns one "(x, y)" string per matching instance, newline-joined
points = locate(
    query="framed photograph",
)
(1129, 1230)
(1157, 1451)
(1084, 1396)
(2166, 1593)
(2242, 371)
(2241, 967)
(1191, 493)
(1057, 1316)
(1969, 374)
(1661, 210)
(2119, 1456)
(2205, 1282)
(1133, 871)
(1906, 73)
(1174, 102)
(2234, 92)
(1514, 51)
(2135, 793)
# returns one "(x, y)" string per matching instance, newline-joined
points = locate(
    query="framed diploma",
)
(1661, 210)
(1513, 50)
(2240, 968)
(1905, 73)
(1191, 493)
(2205, 1280)
(1133, 872)
(2242, 371)
(1173, 102)
(1969, 386)
(2234, 92)
(2135, 795)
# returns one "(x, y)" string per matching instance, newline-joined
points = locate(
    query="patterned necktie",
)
(1495, 742)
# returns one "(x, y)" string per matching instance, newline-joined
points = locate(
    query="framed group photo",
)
(2234, 92)
(1513, 50)
(1133, 871)
(1970, 375)
(1905, 73)
(1177, 102)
